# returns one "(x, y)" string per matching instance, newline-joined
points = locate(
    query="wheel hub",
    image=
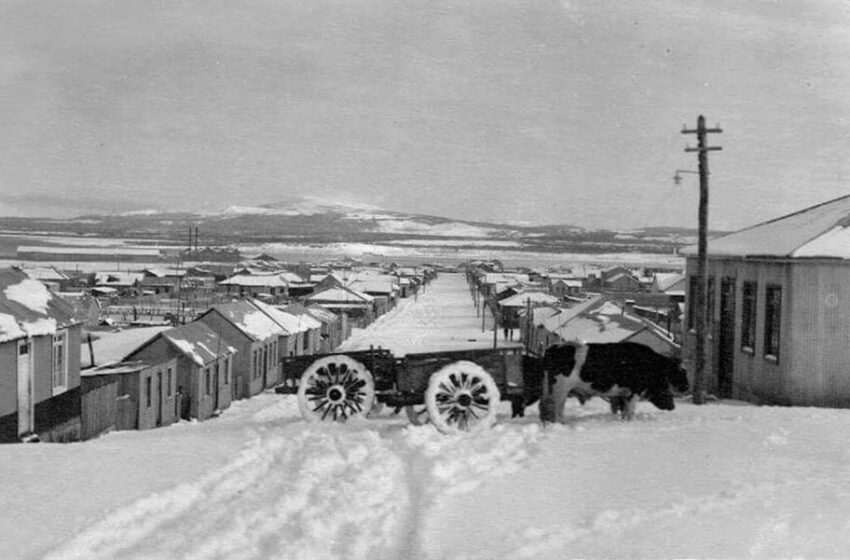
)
(464, 400)
(336, 394)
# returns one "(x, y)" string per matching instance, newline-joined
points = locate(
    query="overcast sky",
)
(501, 110)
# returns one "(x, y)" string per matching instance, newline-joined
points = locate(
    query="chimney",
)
(629, 307)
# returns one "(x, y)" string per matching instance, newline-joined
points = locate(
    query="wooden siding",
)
(819, 369)
(814, 354)
(99, 408)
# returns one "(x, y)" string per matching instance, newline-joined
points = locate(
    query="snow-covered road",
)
(722, 480)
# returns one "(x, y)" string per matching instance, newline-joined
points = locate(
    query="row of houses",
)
(195, 370)
(508, 294)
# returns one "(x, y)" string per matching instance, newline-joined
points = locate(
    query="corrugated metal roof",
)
(817, 231)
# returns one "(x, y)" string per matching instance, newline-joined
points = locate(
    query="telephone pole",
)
(701, 323)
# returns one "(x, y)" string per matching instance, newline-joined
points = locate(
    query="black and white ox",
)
(622, 372)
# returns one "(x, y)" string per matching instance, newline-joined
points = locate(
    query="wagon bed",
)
(457, 390)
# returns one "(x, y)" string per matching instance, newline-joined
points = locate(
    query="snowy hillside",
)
(722, 480)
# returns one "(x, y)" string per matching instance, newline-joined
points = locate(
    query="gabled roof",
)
(291, 324)
(256, 280)
(341, 295)
(523, 299)
(818, 231)
(198, 341)
(664, 280)
(249, 319)
(322, 314)
(28, 308)
(45, 273)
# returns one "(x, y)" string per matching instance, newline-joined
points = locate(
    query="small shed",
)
(133, 395)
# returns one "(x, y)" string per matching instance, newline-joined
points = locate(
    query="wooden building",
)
(39, 362)
(778, 299)
(255, 336)
(203, 364)
(134, 395)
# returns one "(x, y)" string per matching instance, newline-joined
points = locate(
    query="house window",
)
(227, 371)
(148, 385)
(207, 381)
(168, 381)
(306, 340)
(772, 320)
(60, 361)
(748, 316)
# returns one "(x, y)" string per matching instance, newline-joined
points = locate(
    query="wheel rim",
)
(462, 397)
(335, 389)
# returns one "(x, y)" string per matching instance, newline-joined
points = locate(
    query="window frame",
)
(59, 377)
(772, 321)
(749, 315)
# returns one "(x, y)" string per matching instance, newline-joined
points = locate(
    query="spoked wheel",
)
(417, 414)
(462, 397)
(335, 388)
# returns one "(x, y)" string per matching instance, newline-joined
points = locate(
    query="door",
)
(159, 400)
(726, 344)
(26, 410)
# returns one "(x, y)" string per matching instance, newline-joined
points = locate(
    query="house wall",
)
(240, 387)
(755, 377)
(205, 405)
(818, 356)
(193, 401)
(161, 410)
(9, 391)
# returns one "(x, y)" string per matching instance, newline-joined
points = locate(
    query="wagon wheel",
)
(461, 397)
(417, 414)
(335, 388)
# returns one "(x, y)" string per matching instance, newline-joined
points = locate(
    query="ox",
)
(622, 372)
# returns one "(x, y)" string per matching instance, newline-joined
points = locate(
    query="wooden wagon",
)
(457, 391)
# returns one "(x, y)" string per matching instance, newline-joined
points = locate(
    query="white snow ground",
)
(723, 480)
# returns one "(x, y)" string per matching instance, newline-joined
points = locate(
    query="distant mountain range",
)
(307, 220)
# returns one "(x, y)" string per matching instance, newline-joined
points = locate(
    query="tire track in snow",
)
(365, 490)
(321, 491)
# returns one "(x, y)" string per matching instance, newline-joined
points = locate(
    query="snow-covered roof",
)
(322, 314)
(341, 295)
(163, 271)
(819, 231)
(569, 283)
(111, 347)
(290, 324)
(256, 280)
(605, 323)
(44, 273)
(300, 311)
(198, 341)
(523, 299)
(376, 285)
(666, 280)
(248, 318)
(115, 368)
(28, 308)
